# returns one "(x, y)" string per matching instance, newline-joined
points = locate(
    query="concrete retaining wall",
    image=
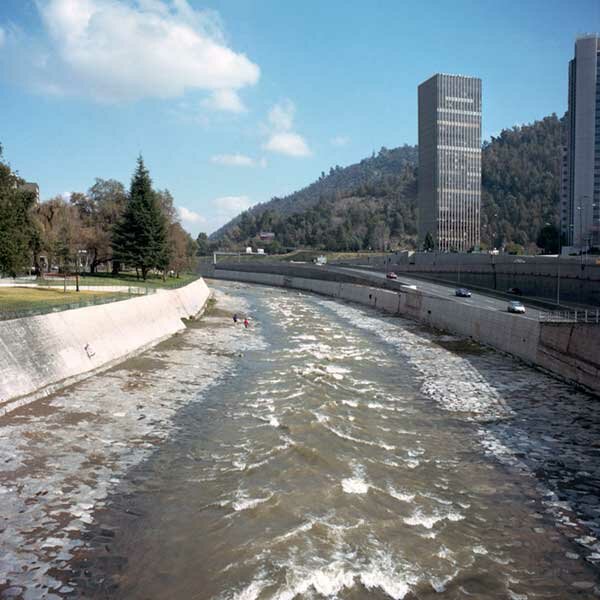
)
(535, 275)
(569, 351)
(43, 352)
(573, 350)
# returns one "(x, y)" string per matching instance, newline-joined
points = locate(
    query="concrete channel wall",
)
(571, 351)
(535, 275)
(39, 354)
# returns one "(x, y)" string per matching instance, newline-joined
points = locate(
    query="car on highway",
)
(408, 286)
(391, 275)
(516, 307)
(515, 290)
(462, 293)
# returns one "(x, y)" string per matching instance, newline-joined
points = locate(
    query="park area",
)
(126, 279)
(26, 301)
(52, 294)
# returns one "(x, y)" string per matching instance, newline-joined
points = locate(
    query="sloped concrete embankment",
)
(571, 352)
(39, 354)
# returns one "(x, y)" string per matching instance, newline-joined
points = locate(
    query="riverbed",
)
(327, 451)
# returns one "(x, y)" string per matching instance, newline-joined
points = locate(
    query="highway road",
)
(447, 291)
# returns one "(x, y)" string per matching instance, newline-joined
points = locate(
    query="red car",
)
(392, 275)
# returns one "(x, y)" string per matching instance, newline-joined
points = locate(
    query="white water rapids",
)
(326, 452)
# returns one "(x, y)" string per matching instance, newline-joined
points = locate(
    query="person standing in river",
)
(246, 323)
(235, 318)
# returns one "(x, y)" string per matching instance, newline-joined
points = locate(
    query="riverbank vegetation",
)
(106, 228)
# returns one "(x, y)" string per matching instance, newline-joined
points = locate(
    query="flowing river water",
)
(328, 451)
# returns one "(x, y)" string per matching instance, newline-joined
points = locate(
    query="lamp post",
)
(462, 245)
(79, 253)
(590, 236)
(558, 268)
(580, 209)
(558, 279)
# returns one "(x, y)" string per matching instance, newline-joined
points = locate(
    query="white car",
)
(516, 307)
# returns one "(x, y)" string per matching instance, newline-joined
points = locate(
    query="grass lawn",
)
(14, 299)
(127, 279)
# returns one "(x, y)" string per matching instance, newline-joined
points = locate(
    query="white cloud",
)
(232, 160)
(226, 100)
(113, 50)
(231, 205)
(237, 160)
(223, 209)
(281, 116)
(282, 138)
(189, 216)
(289, 143)
(339, 140)
(2, 36)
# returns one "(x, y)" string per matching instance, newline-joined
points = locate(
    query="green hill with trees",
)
(372, 204)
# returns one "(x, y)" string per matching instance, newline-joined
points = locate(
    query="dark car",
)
(462, 293)
(392, 275)
(515, 290)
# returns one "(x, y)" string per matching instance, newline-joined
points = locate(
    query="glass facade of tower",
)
(580, 183)
(450, 162)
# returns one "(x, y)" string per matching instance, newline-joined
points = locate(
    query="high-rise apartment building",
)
(450, 162)
(580, 189)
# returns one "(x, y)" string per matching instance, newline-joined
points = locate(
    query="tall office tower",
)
(580, 189)
(450, 161)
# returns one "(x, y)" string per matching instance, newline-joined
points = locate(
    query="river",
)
(327, 451)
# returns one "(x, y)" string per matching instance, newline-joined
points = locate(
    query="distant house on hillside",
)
(266, 236)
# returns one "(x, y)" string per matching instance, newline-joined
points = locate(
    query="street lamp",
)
(593, 228)
(580, 209)
(79, 254)
(558, 267)
(462, 245)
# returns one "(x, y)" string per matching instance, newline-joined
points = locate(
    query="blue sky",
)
(233, 102)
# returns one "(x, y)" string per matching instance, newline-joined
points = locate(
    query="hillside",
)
(521, 181)
(372, 204)
(342, 180)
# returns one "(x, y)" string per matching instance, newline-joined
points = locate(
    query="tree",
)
(167, 205)
(108, 198)
(140, 236)
(428, 243)
(513, 248)
(549, 239)
(61, 231)
(17, 229)
(203, 246)
(182, 249)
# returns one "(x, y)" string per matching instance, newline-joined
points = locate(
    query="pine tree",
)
(140, 237)
(18, 234)
(428, 243)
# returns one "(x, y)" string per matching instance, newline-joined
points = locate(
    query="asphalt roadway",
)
(446, 291)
